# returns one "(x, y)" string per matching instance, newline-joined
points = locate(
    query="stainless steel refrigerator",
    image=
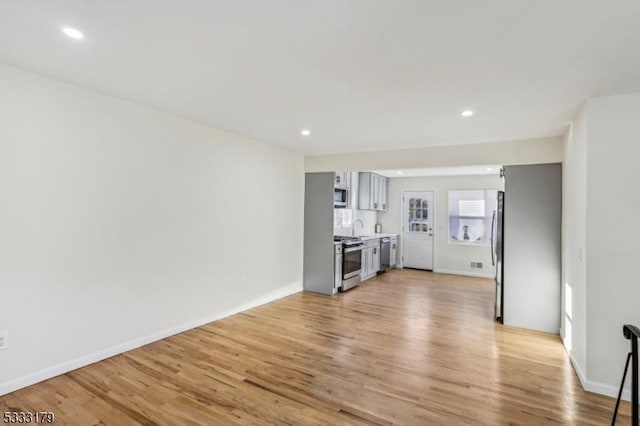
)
(497, 255)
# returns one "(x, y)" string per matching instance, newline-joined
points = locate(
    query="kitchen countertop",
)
(370, 237)
(374, 236)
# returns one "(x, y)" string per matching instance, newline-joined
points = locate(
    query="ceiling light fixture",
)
(399, 172)
(489, 169)
(305, 132)
(73, 33)
(467, 113)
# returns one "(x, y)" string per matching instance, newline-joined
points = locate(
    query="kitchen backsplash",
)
(343, 221)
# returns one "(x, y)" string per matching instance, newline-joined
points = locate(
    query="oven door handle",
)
(352, 249)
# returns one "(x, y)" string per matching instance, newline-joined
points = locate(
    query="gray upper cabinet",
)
(383, 193)
(342, 189)
(342, 180)
(372, 191)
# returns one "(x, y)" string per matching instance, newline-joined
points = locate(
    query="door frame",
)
(433, 241)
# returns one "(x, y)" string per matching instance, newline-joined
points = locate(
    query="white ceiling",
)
(361, 74)
(441, 171)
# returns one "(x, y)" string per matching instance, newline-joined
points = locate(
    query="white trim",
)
(65, 367)
(581, 376)
(608, 390)
(461, 243)
(464, 273)
(595, 387)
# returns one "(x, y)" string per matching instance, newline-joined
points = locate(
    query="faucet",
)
(353, 226)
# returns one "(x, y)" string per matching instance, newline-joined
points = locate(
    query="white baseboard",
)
(65, 367)
(574, 364)
(464, 273)
(608, 390)
(592, 386)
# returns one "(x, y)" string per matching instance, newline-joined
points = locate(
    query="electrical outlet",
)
(4, 339)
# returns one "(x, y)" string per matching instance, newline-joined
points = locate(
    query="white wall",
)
(574, 213)
(612, 237)
(448, 257)
(120, 224)
(530, 151)
(601, 248)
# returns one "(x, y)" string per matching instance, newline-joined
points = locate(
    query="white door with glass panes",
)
(417, 229)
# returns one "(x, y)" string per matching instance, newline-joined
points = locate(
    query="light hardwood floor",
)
(408, 348)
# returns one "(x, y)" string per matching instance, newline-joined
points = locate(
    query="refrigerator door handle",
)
(493, 220)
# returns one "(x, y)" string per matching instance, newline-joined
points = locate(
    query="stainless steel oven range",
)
(351, 261)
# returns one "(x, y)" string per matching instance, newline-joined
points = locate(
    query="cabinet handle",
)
(375, 250)
(375, 205)
(384, 206)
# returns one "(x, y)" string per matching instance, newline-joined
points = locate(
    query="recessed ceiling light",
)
(73, 33)
(467, 113)
(399, 172)
(489, 169)
(305, 132)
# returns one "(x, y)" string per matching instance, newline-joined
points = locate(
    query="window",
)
(470, 215)
(418, 220)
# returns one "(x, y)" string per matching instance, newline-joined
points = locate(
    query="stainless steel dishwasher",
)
(385, 253)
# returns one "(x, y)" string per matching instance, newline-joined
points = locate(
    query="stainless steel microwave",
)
(340, 197)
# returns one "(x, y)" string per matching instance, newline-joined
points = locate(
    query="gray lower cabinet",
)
(393, 261)
(370, 259)
(337, 266)
(375, 265)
